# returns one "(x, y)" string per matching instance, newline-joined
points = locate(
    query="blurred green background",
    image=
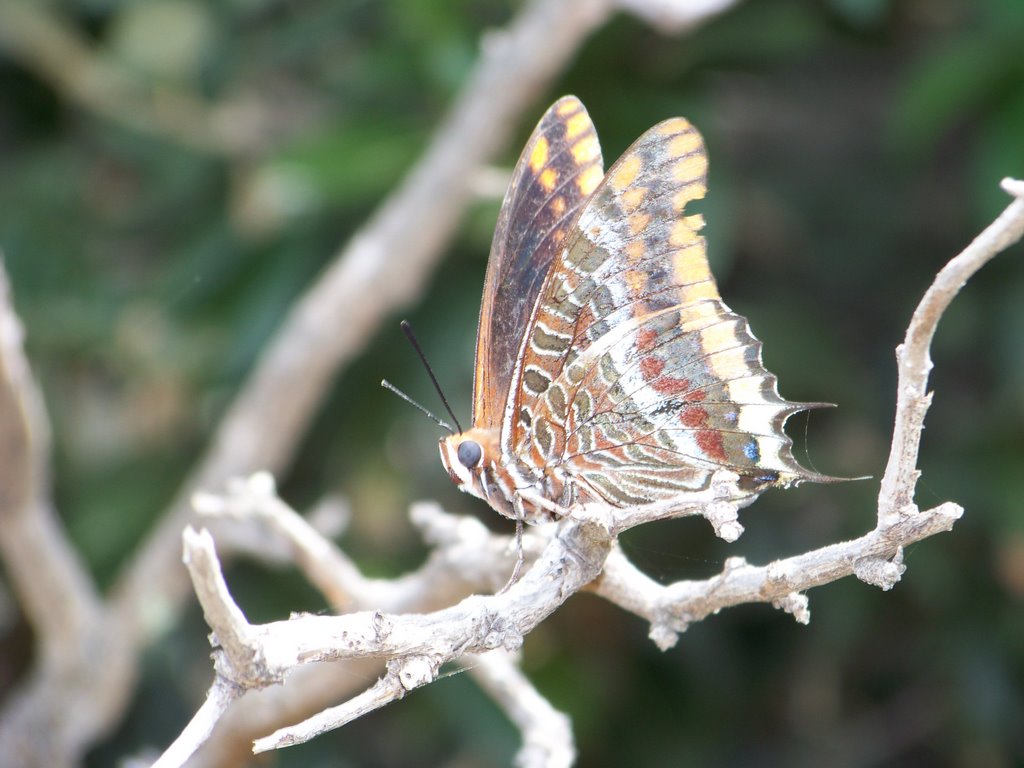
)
(856, 145)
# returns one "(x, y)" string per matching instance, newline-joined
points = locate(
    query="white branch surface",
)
(547, 733)
(27, 523)
(896, 494)
(49, 580)
(221, 694)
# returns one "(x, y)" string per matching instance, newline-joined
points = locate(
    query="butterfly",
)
(608, 368)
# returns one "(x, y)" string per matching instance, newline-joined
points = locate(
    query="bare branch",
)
(229, 625)
(403, 675)
(259, 712)
(547, 733)
(221, 694)
(675, 16)
(59, 599)
(896, 493)
(875, 558)
(52, 584)
(417, 645)
(254, 499)
(268, 651)
(255, 656)
(466, 557)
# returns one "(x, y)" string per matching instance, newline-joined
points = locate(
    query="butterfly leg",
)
(517, 570)
(554, 510)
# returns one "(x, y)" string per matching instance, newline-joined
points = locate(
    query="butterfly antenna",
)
(443, 424)
(407, 330)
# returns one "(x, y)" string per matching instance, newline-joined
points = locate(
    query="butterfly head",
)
(466, 455)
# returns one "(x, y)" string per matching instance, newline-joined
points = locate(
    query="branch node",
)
(725, 484)
(255, 488)
(949, 513)
(724, 518)
(206, 503)
(879, 571)
(797, 605)
(732, 564)
(414, 671)
(502, 634)
(243, 496)
(665, 631)
(1013, 187)
(382, 626)
(776, 573)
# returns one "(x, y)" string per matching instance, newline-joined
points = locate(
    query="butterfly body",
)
(608, 367)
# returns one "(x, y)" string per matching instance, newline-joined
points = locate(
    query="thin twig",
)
(230, 628)
(896, 492)
(50, 581)
(416, 644)
(547, 732)
(403, 675)
(59, 599)
(875, 558)
(465, 557)
(220, 696)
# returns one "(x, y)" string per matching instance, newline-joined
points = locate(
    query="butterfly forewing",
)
(636, 381)
(555, 175)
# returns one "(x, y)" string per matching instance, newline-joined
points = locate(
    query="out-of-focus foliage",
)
(855, 146)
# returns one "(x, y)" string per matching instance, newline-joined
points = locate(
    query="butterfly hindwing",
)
(555, 175)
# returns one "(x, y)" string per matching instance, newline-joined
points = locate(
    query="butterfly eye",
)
(470, 453)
